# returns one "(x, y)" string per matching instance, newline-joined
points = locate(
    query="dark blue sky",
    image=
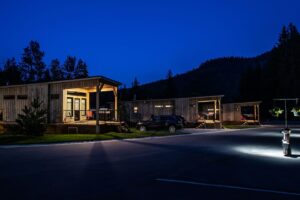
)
(124, 39)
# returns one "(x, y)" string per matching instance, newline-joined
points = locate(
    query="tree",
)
(11, 73)
(169, 74)
(47, 76)
(56, 70)
(81, 70)
(135, 88)
(33, 67)
(69, 67)
(170, 87)
(33, 119)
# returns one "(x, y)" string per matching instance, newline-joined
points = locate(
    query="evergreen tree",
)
(170, 87)
(11, 72)
(81, 70)
(56, 70)
(135, 88)
(32, 120)
(32, 65)
(47, 76)
(69, 67)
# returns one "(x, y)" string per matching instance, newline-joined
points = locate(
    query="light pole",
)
(285, 108)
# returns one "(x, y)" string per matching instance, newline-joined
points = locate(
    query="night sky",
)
(143, 39)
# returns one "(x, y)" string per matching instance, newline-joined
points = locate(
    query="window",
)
(83, 107)
(69, 107)
(135, 109)
(22, 97)
(168, 106)
(7, 97)
(158, 106)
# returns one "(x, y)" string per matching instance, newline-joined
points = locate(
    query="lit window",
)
(135, 109)
(168, 106)
(158, 106)
(69, 107)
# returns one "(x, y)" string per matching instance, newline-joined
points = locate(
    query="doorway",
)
(77, 109)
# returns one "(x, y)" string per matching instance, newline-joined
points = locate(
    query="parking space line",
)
(228, 186)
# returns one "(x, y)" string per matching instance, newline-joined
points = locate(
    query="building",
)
(201, 110)
(67, 101)
(193, 109)
(245, 112)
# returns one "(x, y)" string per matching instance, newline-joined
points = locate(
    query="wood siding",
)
(53, 100)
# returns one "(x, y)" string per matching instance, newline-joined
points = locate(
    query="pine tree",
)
(56, 70)
(135, 88)
(32, 120)
(170, 88)
(11, 72)
(81, 70)
(32, 65)
(69, 67)
(47, 76)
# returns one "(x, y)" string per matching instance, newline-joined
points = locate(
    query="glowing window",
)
(135, 109)
(158, 106)
(168, 106)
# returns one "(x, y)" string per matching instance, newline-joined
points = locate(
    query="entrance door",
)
(77, 109)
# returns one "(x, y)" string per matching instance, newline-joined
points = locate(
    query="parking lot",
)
(208, 164)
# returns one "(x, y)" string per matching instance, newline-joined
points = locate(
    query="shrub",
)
(33, 119)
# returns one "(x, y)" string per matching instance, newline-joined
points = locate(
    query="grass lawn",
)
(58, 138)
(240, 126)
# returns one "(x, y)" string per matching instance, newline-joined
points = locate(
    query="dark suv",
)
(170, 122)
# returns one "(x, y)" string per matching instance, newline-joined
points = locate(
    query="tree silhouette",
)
(11, 73)
(32, 64)
(170, 87)
(81, 70)
(69, 67)
(135, 88)
(56, 70)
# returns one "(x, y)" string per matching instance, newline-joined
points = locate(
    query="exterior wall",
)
(12, 107)
(57, 106)
(52, 94)
(66, 95)
(232, 112)
(147, 108)
(185, 107)
(229, 112)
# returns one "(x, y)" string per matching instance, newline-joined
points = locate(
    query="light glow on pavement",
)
(265, 151)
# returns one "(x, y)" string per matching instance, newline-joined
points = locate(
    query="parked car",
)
(169, 122)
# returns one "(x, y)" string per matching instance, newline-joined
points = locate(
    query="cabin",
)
(243, 112)
(203, 109)
(67, 101)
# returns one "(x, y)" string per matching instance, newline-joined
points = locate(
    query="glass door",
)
(77, 109)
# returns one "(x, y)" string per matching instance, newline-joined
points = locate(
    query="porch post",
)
(258, 114)
(98, 89)
(255, 116)
(215, 110)
(220, 113)
(116, 103)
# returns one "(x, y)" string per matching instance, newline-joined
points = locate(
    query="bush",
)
(33, 119)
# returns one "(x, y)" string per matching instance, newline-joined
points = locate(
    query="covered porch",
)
(77, 109)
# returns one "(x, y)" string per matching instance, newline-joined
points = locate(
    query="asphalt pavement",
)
(209, 164)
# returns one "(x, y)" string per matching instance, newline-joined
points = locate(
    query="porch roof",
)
(102, 79)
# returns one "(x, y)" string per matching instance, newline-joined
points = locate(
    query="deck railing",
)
(105, 114)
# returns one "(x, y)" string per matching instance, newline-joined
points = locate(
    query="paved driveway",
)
(242, 164)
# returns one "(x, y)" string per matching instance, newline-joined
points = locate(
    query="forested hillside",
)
(275, 73)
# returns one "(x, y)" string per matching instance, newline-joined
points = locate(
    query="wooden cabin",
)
(193, 109)
(244, 112)
(68, 101)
